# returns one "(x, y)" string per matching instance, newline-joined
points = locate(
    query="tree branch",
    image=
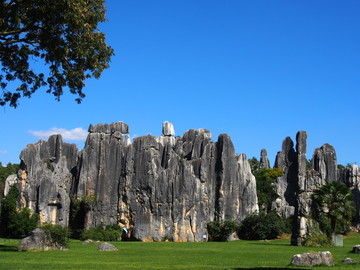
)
(9, 42)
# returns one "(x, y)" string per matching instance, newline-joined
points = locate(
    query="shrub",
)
(59, 235)
(261, 226)
(101, 233)
(220, 231)
(317, 240)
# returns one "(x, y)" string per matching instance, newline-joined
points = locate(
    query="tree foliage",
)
(264, 186)
(335, 207)
(14, 223)
(62, 35)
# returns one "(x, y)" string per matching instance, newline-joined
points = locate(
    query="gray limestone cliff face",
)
(45, 178)
(157, 187)
(100, 168)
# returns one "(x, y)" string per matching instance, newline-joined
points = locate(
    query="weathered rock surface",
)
(156, 187)
(46, 177)
(107, 247)
(38, 240)
(313, 259)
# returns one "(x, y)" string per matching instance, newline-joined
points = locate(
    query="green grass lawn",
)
(275, 254)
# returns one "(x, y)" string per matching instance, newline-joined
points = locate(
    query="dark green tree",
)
(62, 35)
(335, 207)
(254, 164)
(14, 223)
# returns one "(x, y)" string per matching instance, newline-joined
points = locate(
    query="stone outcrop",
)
(156, 187)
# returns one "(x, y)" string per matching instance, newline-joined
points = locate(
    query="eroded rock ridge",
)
(156, 187)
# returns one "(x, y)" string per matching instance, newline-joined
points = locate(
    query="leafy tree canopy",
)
(264, 186)
(61, 34)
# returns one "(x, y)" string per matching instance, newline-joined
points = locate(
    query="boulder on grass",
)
(348, 260)
(356, 249)
(38, 240)
(107, 247)
(312, 259)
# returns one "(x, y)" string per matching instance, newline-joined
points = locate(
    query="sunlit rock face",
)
(157, 187)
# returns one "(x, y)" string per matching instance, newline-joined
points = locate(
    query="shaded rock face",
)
(285, 186)
(156, 187)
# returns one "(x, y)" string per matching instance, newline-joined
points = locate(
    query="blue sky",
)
(256, 70)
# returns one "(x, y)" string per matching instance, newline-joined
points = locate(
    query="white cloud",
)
(76, 134)
(3, 152)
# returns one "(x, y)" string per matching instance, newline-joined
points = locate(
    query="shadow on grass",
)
(7, 248)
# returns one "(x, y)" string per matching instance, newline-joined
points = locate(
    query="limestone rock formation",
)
(285, 186)
(156, 187)
(47, 169)
(264, 161)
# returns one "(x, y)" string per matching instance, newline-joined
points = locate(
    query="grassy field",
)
(275, 254)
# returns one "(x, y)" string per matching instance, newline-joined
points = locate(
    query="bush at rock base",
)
(261, 226)
(220, 231)
(101, 233)
(59, 235)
